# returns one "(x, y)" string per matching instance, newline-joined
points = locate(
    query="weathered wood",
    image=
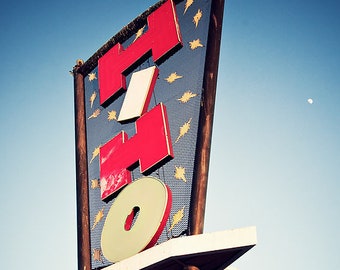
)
(83, 223)
(190, 267)
(201, 169)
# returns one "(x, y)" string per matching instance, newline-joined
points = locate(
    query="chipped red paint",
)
(149, 146)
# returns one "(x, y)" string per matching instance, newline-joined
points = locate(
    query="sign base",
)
(208, 251)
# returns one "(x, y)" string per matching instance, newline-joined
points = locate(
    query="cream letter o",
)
(151, 198)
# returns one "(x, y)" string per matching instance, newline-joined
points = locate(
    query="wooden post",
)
(201, 169)
(84, 252)
(190, 267)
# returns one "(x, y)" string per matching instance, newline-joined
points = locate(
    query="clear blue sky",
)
(275, 160)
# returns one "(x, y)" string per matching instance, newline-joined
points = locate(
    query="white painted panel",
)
(138, 93)
(178, 249)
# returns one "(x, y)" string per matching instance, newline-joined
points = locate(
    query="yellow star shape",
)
(95, 153)
(97, 255)
(95, 183)
(195, 44)
(112, 115)
(98, 218)
(186, 97)
(95, 114)
(92, 76)
(173, 77)
(183, 130)
(180, 173)
(188, 4)
(92, 98)
(177, 218)
(197, 17)
(139, 33)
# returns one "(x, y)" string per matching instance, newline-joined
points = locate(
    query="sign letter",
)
(161, 39)
(120, 241)
(149, 146)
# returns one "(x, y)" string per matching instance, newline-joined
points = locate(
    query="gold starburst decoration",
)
(177, 218)
(188, 4)
(95, 183)
(93, 97)
(95, 153)
(112, 115)
(92, 76)
(195, 44)
(95, 114)
(186, 97)
(98, 218)
(197, 17)
(173, 77)
(139, 33)
(183, 130)
(97, 255)
(180, 173)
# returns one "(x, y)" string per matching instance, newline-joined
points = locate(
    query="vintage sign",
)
(143, 128)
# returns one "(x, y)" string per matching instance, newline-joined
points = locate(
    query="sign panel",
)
(143, 100)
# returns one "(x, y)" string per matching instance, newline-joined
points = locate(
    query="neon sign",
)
(143, 105)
